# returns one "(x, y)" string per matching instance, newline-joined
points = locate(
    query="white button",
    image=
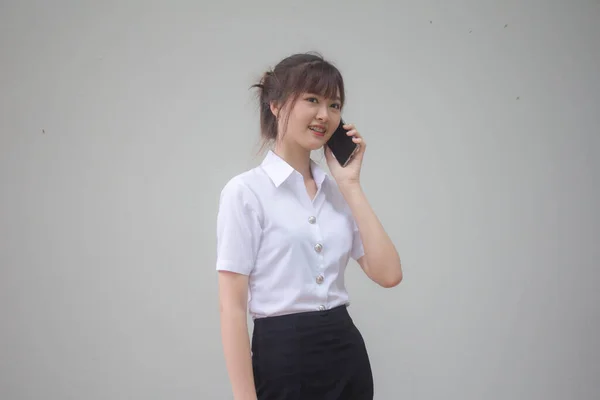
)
(318, 247)
(321, 308)
(320, 279)
(312, 220)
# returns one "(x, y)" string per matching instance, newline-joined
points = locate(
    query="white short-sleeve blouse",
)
(293, 249)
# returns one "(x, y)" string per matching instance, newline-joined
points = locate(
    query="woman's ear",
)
(274, 108)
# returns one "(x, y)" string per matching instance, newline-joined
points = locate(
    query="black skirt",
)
(316, 355)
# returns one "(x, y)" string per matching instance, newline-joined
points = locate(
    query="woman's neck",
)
(297, 158)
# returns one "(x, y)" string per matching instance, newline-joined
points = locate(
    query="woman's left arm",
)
(381, 261)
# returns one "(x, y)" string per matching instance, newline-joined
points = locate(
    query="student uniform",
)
(294, 250)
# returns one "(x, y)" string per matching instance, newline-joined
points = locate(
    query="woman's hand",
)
(350, 174)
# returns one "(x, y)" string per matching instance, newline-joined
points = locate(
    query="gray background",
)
(120, 122)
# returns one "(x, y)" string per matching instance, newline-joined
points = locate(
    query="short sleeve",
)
(357, 250)
(238, 229)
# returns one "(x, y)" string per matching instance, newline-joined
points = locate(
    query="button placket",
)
(319, 278)
(318, 239)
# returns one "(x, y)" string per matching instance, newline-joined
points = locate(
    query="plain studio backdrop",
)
(120, 123)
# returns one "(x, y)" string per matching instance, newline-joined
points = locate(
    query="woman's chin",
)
(316, 142)
(314, 146)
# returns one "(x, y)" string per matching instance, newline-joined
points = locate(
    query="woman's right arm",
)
(233, 306)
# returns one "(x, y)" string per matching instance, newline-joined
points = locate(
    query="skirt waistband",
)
(337, 314)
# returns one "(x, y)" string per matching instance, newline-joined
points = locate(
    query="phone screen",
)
(341, 145)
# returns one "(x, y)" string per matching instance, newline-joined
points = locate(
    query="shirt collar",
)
(279, 170)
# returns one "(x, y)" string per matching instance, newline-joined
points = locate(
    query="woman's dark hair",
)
(292, 76)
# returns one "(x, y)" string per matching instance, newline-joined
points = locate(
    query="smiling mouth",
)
(317, 131)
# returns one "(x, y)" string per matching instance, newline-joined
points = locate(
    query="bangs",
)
(320, 78)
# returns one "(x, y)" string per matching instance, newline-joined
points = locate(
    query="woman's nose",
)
(323, 114)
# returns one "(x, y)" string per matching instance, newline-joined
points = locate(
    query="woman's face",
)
(312, 121)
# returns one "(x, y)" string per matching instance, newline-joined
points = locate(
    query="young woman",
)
(285, 233)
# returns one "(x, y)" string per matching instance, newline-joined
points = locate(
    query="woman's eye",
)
(312, 99)
(336, 105)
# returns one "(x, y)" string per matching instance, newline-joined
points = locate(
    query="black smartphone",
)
(341, 145)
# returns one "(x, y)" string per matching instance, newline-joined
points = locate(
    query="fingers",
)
(356, 137)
